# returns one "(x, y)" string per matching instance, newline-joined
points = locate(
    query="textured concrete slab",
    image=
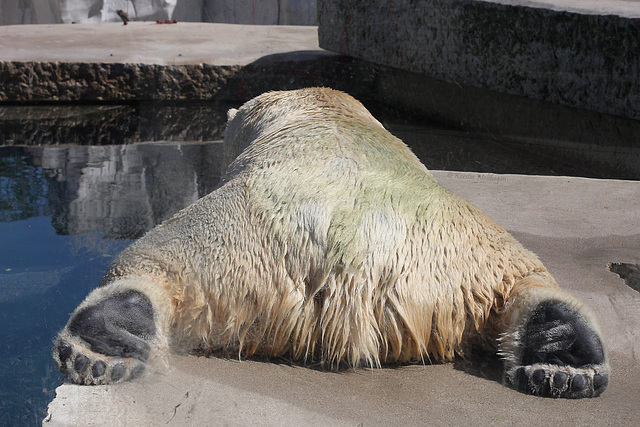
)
(576, 54)
(145, 61)
(577, 226)
(151, 43)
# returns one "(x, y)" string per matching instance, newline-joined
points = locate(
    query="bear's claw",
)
(107, 342)
(82, 366)
(558, 381)
(560, 355)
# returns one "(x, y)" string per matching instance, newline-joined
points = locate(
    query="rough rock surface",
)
(584, 60)
(61, 81)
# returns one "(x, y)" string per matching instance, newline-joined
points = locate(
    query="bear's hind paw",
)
(109, 341)
(556, 352)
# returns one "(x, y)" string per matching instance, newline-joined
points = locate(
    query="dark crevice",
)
(630, 273)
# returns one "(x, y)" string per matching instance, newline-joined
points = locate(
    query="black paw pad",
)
(136, 371)
(107, 342)
(117, 372)
(81, 363)
(579, 383)
(98, 369)
(561, 355)
(117, 326)
(538, 377)
(600, 383)
(560, 380)
(559, 335)
(64, 351)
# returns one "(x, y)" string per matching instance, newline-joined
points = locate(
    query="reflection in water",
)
(111, 124)
(65, 212)
(615, 154)
(121, 191)
(23, 188)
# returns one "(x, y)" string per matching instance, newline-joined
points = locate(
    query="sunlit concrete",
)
(151, 43)
(577, 226)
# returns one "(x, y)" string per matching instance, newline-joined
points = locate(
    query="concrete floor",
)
(151, 43)
(577, 226)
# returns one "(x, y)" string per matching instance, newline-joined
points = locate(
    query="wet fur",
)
(328, 241)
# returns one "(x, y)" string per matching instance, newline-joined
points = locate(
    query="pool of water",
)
(65, 212)
(78, 184)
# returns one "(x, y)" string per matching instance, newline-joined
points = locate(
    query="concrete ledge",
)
(142, 61)
(151, 43)
(586, 60)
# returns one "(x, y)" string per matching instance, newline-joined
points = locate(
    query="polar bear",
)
(329, 242)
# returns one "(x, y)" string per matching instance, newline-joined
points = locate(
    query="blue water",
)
(65, 212)
(43, 276)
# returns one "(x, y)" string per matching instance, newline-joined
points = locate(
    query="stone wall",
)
(251, 12)
(579, 60)
(97, 82)
(91, 82)
(14, 12)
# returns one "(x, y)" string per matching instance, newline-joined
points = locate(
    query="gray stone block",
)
(589, 61)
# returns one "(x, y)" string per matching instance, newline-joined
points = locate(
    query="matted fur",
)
(328, 240)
